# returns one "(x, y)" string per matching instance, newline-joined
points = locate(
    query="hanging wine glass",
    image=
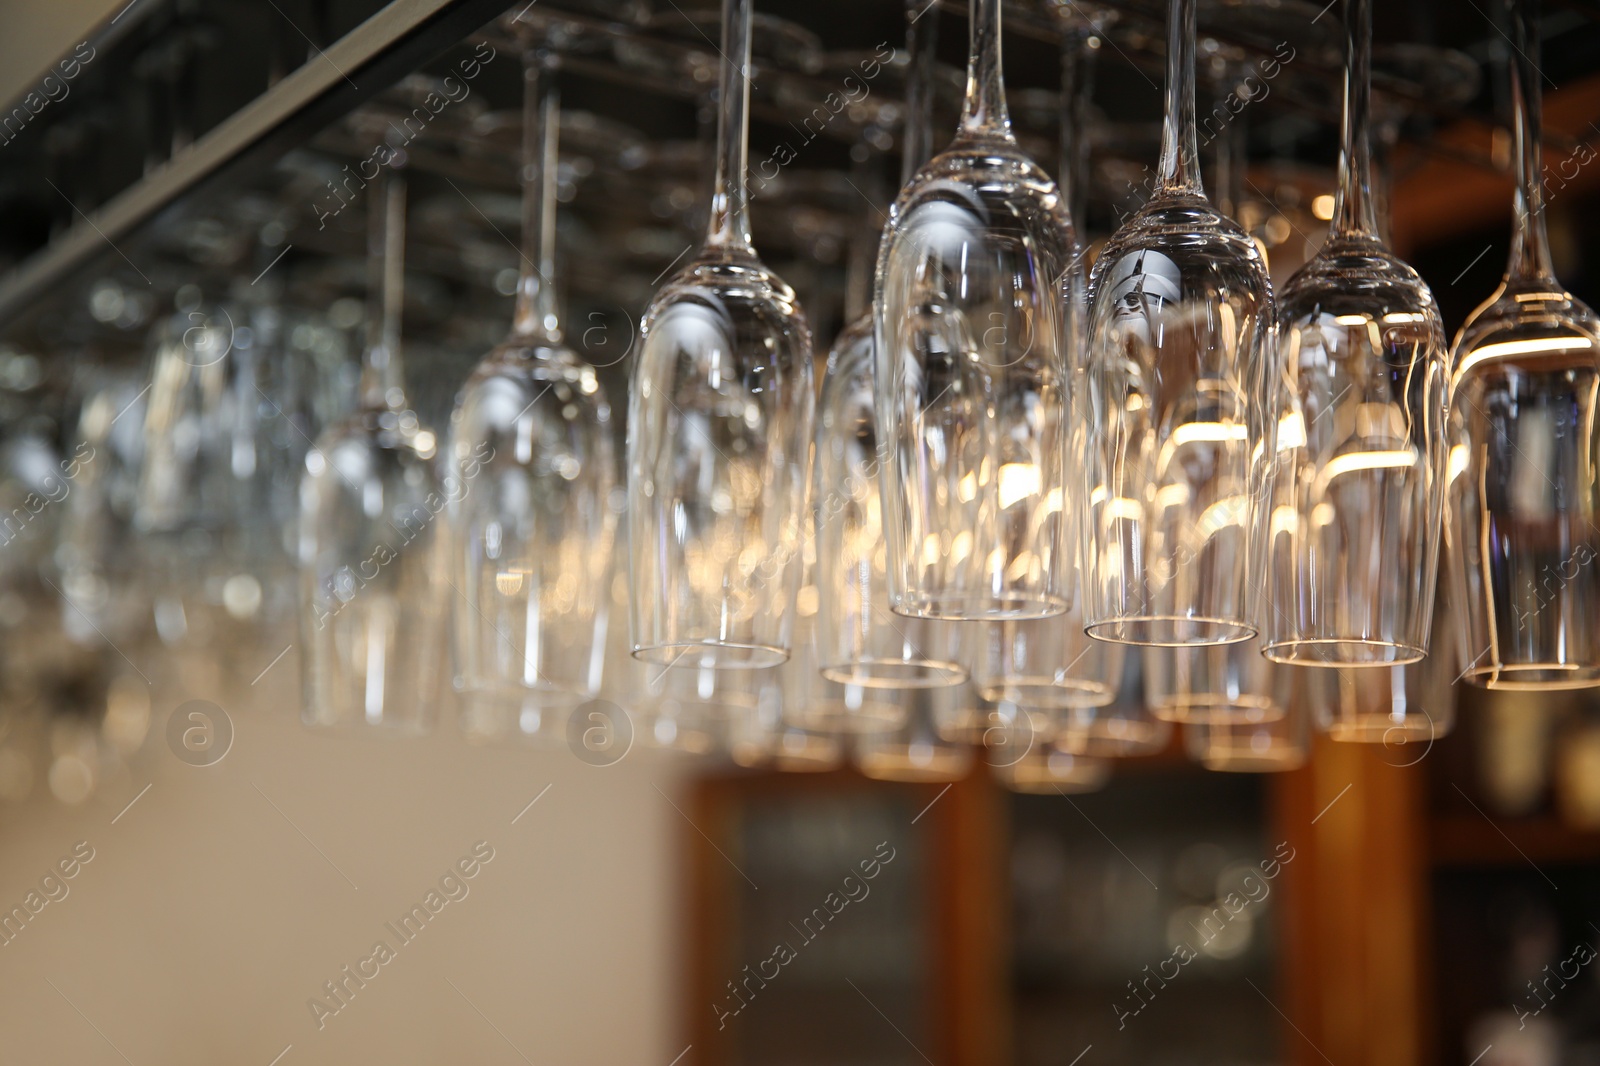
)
(1525, 446)
(531, 458)
(1121, 729)
(1216, 684)
(1395, 706)
(776, 733)
(373, 608)
(1354, 555)
(1181, 310)
(974, 348)
(861, 641)
(1274, 746)
(918, 750)
(1048, 663)
(719, 431)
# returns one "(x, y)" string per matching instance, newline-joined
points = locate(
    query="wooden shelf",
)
(1472, 840)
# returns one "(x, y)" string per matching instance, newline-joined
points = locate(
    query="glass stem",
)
(1354, 214)
(535, 314)
(730, 211)
(382, 383)
(1077, 86)
(1180, 155)
(1530, 242)
(922, 33)
(984, 111)
(863, 256)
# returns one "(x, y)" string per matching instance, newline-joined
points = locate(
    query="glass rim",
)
(1296, 651)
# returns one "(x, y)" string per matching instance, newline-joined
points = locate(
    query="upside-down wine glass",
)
(919, 749)
(1354, 554)
(1404, 708)
(370, 502)
(531, 454)
(861, 642)
(1274, 746)
(1180, 415)
(974, 346)
(719, 431)
(1524, 467)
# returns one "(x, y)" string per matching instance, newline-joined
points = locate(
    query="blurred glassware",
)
(103, 599)
(1395, 706)
(1217, 684)
(975, 346)
(1353, 557)
(1123, 728)
(531, 458)
(373, 607)
(1045, 663)
(720, 431)
(194, 517)
(1049, 771)
(918, 751)
(1180, 415)
(1274, 746)
(1083, 28)
(781, 731)
(1525, 445)
(861, 641)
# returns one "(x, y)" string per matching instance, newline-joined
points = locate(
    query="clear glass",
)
(532, 469)
(1181, 420)
(1525, 448)
(918, 751)
(1217, 684)
(775, 732)
(1121, 729)
(1404, 708)
(861, 641)
(1353, 552)
(720, 431)
(1274, 746)
(974, 349)
(373, 607)
(1047, 663)
(813, 698)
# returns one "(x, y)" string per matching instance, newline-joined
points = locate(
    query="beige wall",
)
(206, 921)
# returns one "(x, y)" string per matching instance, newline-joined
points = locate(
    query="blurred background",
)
(1431, 899)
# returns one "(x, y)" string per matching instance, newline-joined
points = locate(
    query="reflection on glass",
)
(1524, 444)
